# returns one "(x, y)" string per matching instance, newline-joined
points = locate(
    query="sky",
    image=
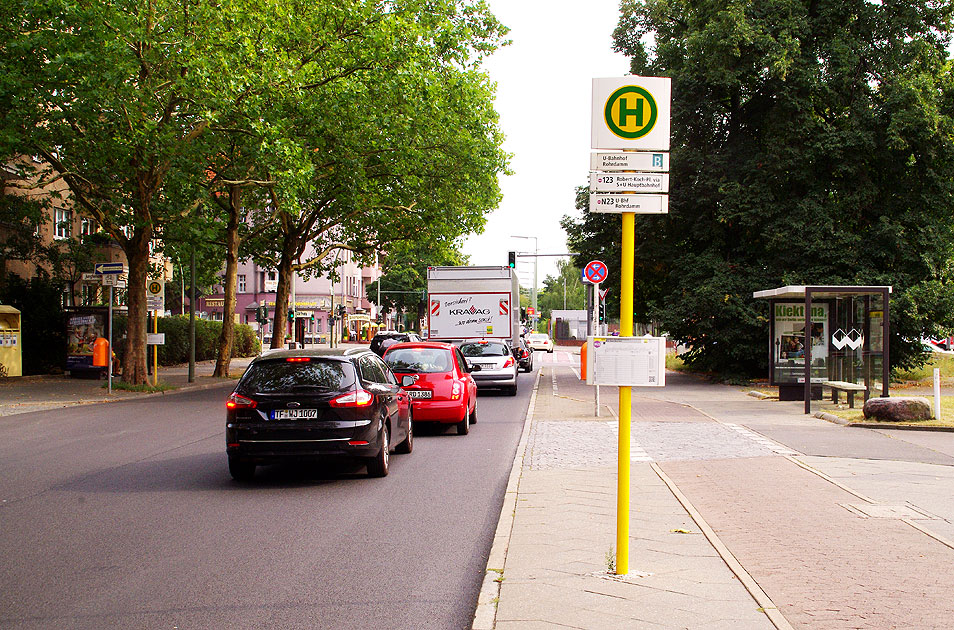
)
(543, 98)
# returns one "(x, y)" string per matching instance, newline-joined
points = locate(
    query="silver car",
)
(496, 367)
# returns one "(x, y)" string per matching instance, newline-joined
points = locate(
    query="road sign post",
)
(630, 114)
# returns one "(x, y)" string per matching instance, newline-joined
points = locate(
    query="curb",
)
(485, 616)
(903, 427)
(821, 415)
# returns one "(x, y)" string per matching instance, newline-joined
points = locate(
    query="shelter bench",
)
(848, 388)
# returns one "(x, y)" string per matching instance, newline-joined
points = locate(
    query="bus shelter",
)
(828, 337)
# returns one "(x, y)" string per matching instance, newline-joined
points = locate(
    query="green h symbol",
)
(625, 112)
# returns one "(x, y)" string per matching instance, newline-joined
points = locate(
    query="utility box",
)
(11, 348)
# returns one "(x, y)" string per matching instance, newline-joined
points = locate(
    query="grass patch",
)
(944, 362)
(675, 363)
(145, 388)
(947, 414)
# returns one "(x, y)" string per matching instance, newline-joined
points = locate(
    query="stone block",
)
(901, 409)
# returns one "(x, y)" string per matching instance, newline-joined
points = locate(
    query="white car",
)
(540, 341)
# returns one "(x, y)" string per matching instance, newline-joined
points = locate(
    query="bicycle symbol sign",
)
(595, 271)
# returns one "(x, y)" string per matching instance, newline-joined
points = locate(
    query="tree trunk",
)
(281, 297)
(137, 256)
(231, 270)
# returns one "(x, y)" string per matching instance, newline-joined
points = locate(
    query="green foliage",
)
(564, 288)
(43, 324)
(404, 285)
(812, 144)
(175, 350)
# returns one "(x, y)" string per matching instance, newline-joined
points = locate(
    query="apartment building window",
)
(62, 219)
(240, 281)
(88, 226)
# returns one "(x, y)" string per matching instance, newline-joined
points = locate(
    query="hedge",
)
(176, 348)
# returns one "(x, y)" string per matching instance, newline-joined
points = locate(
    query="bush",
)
(176, 348)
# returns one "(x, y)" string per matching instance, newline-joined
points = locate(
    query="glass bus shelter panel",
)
(789, 343)
(856, 341)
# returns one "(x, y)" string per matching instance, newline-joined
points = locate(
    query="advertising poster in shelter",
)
(791, 345)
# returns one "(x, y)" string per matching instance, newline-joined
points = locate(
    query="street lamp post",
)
(536, 251)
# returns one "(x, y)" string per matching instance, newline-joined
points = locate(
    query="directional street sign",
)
(115, 280)
(92, 277)
(638, 204)
(595, 271)
(105, 268)
(629, 182)
(630, 161)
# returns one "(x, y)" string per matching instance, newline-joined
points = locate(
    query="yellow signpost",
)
(629, 114)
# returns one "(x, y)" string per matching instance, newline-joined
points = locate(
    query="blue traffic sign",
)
(109, 268)
(595, 271)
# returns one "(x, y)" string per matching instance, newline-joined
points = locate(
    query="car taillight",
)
(508, 362)
(525, 354)
(236, 401)
(360, 398)
(455, 391)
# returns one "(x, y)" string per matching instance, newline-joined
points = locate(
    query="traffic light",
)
(341, 310)
(512, 259)
(291, 313)
(602, 311)
(312, 317)
(261, 314)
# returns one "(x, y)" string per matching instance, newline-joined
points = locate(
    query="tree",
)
(396, 139)
(563, 291)
(812, 144)
(112, 97)
(404, 284)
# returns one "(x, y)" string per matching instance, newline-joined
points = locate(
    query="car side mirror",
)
(408, 380)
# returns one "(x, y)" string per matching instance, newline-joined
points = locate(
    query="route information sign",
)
(626, 361)
(629, 182)
(641, 161)
(640, 204)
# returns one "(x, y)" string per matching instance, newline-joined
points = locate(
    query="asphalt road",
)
(124, 516)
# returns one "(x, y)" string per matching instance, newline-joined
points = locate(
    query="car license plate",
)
(419, 393)
(487, 366)
(294, 414)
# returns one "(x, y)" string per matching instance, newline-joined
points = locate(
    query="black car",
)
(524, 355)
(387, 338)
(313, 404)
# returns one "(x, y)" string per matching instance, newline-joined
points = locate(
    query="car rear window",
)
(484, 349)
(282, 375)
(539, 337)
(424, 360)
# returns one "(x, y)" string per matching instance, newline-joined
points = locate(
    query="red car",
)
(444, 391)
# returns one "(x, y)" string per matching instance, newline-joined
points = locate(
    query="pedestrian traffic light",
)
(602, 311)
(512, 259)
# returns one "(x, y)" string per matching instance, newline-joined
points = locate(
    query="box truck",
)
(473, 303)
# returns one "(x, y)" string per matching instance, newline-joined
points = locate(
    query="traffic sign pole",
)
(625, 397)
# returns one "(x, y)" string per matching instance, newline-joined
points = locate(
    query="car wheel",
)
(407, 445)
(463, 427)
(512, 391)
(378, 465)
(473, 414)
(550, 351)
(240, 469)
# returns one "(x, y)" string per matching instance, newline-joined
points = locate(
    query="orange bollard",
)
(583, 362)
(100, 352)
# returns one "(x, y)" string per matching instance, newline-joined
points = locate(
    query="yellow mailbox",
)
(11, 363)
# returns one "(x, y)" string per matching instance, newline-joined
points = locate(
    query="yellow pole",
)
(625, 396)
(155, 350)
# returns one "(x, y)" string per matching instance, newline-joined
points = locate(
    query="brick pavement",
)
(825, 566)
(563, 530)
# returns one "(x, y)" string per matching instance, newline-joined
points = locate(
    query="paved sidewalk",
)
(38, 393)
(728, 528)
